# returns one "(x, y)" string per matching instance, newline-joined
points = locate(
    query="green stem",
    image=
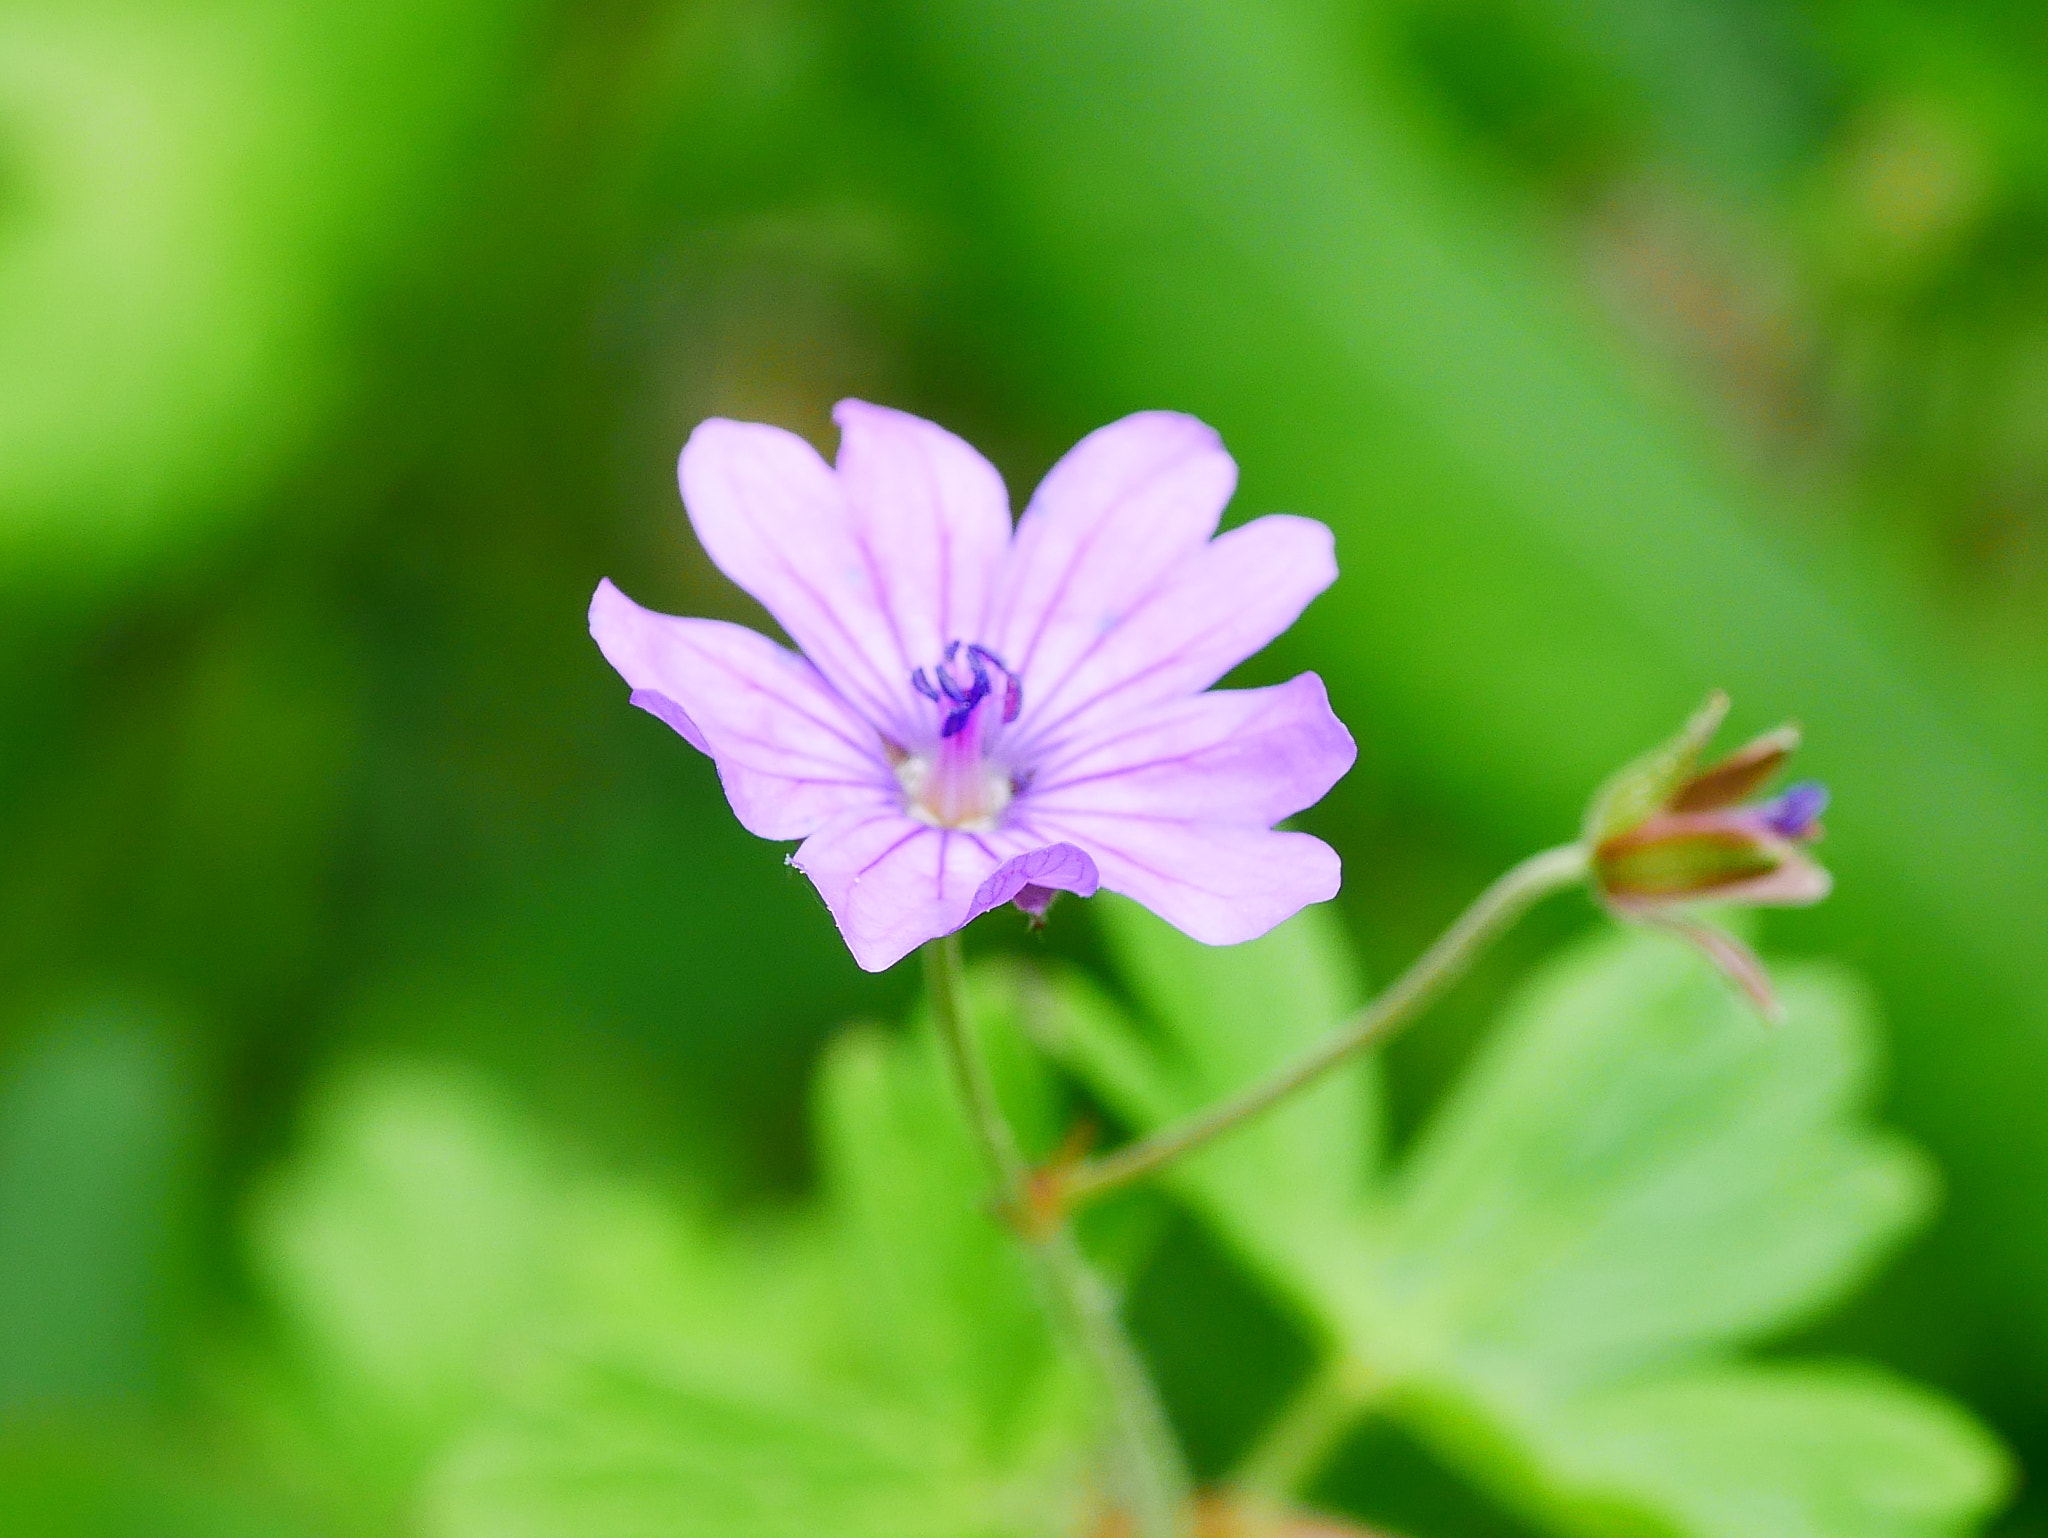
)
(945, 985)
(1298, 1443)
(1150, 1479)
(1490, 914)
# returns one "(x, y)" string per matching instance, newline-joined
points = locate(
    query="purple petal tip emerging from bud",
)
(1794, 812)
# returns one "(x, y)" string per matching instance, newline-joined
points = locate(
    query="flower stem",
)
(945, 985)
(1300, 1441)
(1491, 913)
(1150, 1480)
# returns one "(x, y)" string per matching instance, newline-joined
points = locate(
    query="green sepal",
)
(1686, 864)
(1639, 791)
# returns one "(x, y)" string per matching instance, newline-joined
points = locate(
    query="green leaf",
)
(518, 1347)
(1634, 1170)
(407, 1249)
(1632, 1180)
(1806, 1452)
(628, 1454)
(948, 1318)
(1284, 1189)
(428, 1253)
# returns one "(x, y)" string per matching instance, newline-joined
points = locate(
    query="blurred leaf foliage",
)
(513, 1346)
(487, 1338)
(199, 200)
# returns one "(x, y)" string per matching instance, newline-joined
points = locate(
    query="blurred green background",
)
(1630, 346)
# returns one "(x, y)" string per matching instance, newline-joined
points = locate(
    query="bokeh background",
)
(1631, 347)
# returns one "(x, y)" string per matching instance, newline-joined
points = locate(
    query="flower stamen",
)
(957, 786)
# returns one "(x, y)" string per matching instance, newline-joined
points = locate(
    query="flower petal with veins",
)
(981, 717)
(773, 517)
(790, 752)
(1114, 516)
(1234, 755)
(1220, 604)
(933, 517)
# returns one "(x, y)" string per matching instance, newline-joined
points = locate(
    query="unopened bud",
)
(1665, 834)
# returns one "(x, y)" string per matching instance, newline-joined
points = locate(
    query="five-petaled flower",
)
(983, 715)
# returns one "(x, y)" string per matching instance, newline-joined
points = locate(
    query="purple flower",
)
(982, 715)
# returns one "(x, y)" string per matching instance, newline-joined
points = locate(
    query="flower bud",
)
(1665, 834)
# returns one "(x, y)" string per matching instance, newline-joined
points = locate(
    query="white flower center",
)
(945, 791)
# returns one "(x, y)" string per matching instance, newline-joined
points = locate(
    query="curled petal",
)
(1218, 606)
(774, 518)
(934, 517)
(1055, 868)
(1244, 756)
(893, 883)
(1217, 884)
(790, 754)
(1119, 511)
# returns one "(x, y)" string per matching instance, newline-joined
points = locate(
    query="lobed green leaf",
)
(1633, 1180)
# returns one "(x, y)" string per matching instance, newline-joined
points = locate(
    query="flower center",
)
(956, 785)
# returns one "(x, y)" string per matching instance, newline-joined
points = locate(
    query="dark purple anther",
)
(1013, 690)
(961, 700)
(1794, 811)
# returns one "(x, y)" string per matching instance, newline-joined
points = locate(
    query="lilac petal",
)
(1056, 867)
(1121, 509)
(935, 518)
(1218, 884)
(1218, 606)
(1243, 756)
(789, 751)
(893, 883)
(775, 519)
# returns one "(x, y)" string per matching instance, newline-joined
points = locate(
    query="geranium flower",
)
(983, 715)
